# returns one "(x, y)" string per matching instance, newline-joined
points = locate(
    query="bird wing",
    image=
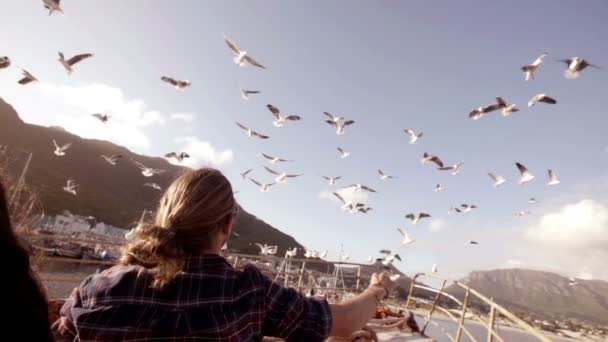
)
(380, 172)
(267, 156)
(493, 177)
(491, 108)
(66, 146)
(401, 231)
(232, 45)
(261, 136)
(55, 143)
(260, 246)
(293, 117)
(437, 161)
(115, 157)
(339, 197)
(539, 59)
(552, 175)
(140, 165)
(410, 216)
(294, 175)
(547, 99)
(336, 178)
(385, 251)
(332, 123)
(242, 126)
(409, 132)
(522, 169)
(254, 62)
(341, 150)
(397, 257)
(364, 187)
(171, 155)
(423, 215)
(329, 115)
(252, 91)
(274, 110)
(326, 178)
(271, 171)
(501, 102)
(348, 122)
(246, 172)
(256, 182)
(79, 58)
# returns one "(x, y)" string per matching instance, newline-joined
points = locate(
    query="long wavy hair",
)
(189, 215)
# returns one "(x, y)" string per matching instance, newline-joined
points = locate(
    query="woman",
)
(23, 303)
(173, 284)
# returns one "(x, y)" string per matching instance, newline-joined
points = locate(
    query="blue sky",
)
(388, 65)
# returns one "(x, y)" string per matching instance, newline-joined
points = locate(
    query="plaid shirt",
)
(209, 300)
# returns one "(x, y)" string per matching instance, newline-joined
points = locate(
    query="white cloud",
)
(202, 153)
(580, 225)
(350, 195)
(185, 117)
(437, 225)
(75, 104)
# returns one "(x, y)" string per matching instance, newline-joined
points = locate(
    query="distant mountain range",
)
(544, 294)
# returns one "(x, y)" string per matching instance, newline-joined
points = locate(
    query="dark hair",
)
(24, 302)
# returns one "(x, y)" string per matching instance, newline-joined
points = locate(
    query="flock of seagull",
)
(574, 67)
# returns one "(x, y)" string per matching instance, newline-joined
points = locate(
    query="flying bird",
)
(471, 242)
(434, 268)
(350, 206)
(479, 112)
(178, 84)
(245, 93)
(245, 173)
(359, 187)
(572, 281)
(309, 253)
(454, 168)
(263, 187)
(281, 176)
(530, 69)
(552, 178)
(71, 187)
(178, 157)
(343, 154)
(111, 159)
(52, 6)
(406, 238)
(266, 249)
(251, 133)
(340, 125)
(290, 253)
(275, 160)
(27, 77)
(5, 62)
(575, 66)
(416, 217)
(384, 176)
(69, 64)
(468, 207)
(389, 257)
(154, 186)
(541, 98)
(280, 120)
(333, 118)
(522, 213)
(413, 136)
(507, 108)
(60, 150)
(439, 188)
(498, 180)
(331, 180)
(524, 175)
(453, 210)
(241, 57)
(431, 158)
(532, 200)
(323, 255)
(102, 117)
(147, 171)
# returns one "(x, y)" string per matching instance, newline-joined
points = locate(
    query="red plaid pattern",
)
(209, 301)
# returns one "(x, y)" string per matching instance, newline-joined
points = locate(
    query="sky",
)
(387, 65)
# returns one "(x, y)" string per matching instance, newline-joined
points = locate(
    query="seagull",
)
(154, 186)
(532, 200)
(452, 210)
(429, 157)
(178, 157)
(266, 249)
(389, 257)
(479, 112)
(522, 213)
(333, 118)
(351, 206)
(102, 117)
(309, 253)
(245, 173)
(147, 171)
(359, 187)
(27, 77)
(323, 255)
(343, 154)
(575, 66)
(251, 133)
(5, 62)
(281, 176)
(406, 238)
(241, 57)
(275, 160)
(339, 126)
(434, 268)
(498, 180)
(541, 98)
(524, 175)
(178, 84)
(52, 6)
(71, 187)
(263, 187)
(290, 253)
(384, 176)
(331, 180)
(468, 207)
(60, 150)
(529, 69)
(68, 64)
(552, 178)
(245, 93)
(439, 188)
(279, 119)
(370, 259)
(416, 217)
(112, 159)
(572, 281)
(413, 136)
(473, 242)
(454, 168)
(507, 109)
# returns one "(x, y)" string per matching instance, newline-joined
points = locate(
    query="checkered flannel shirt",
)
(209, 301)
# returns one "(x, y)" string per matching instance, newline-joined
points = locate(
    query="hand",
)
(382, 280)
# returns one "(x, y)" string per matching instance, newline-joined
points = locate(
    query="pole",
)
(21, 178)
(465, 304)
(301, 274)
(358, 278)
(428, 319)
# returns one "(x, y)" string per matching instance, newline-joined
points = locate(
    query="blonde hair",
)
(189, 214)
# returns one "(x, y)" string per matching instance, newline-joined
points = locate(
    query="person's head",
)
(194, 216)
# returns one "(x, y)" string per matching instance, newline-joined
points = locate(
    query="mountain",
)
(112, 194)
(544, 294)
